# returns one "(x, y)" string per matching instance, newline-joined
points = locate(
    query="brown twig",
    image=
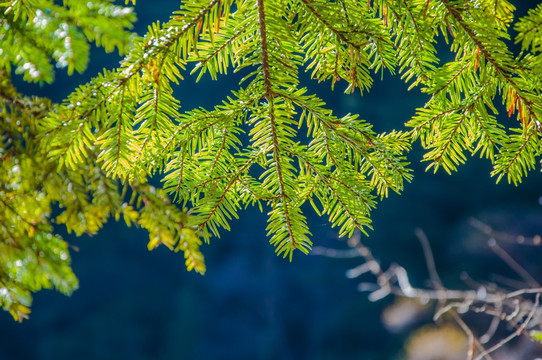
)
(516, 307)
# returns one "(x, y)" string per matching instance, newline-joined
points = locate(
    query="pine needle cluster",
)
(271, 143)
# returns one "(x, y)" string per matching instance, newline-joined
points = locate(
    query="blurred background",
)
(136, 304)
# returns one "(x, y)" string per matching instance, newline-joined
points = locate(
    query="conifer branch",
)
(439, 158)
(449, 82)
(487, 135)
(419, 37)
(276, 155)
(134, 69)
(517, 156)
(367, 157)
(326, 179)
(125, 124)
(500, 68)
(265, 57)
(459, 18)
(229, 184)
(181, 173)
(320, 18)
(119, 126)
(342, 35)
(415, 23)
(156, 100)
(220, 49)
(269, 95)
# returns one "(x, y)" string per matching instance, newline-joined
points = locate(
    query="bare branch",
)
(515, 307)
(514, 265)
(515, 334)
(504, 237)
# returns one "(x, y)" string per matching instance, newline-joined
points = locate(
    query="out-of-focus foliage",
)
(445, 342)
(35, 193)
(270, 143)
(37, 36)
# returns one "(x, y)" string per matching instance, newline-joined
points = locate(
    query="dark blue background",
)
(135, 304)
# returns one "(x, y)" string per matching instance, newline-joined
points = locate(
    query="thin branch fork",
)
(517, 307)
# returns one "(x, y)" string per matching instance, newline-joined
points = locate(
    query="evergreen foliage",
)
(270, 143)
